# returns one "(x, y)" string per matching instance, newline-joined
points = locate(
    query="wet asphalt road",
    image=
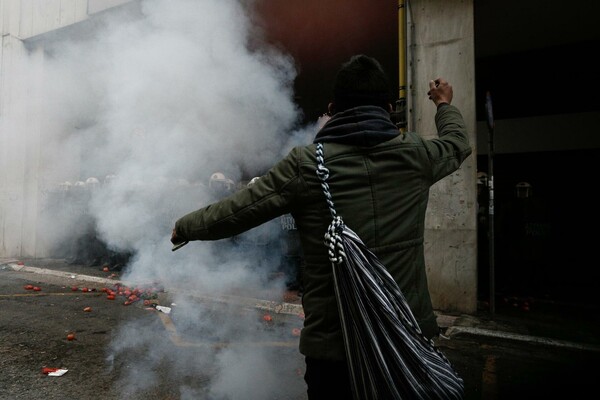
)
(114, 353)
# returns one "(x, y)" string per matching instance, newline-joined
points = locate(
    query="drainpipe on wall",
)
(399, 113)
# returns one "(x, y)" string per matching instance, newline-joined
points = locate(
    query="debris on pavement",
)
(166, 310)
(54, 371)
(132, 294)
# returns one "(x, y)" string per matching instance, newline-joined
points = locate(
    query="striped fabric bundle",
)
(388, 356)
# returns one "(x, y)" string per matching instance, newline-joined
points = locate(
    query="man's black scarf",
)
(360, 126)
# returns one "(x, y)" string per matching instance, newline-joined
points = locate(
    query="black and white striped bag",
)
(388, 356)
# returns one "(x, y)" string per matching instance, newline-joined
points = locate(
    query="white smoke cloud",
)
(151, 102)
(160, 101)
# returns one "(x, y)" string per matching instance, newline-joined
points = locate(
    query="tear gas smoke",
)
(151, 102)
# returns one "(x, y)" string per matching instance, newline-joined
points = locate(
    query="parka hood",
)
(360, 126)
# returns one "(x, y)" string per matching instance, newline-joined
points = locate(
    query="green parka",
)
(379, 179)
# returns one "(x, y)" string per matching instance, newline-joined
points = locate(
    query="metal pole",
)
(490, 123)
(400, 112)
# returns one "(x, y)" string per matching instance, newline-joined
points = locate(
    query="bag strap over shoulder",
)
(333, 239)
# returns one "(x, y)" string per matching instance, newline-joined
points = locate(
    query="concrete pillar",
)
(22, 122)
(16, 174)
(441, 44)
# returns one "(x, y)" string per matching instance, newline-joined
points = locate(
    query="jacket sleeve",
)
(249, 207)
(448, 151)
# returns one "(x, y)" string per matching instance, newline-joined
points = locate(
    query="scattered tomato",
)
(87, 309)
(71, 336)
(105, 269)
(28, 287)
(110, 297)
(267, 318)
(84, 289)
(74, 288)
(37, 288)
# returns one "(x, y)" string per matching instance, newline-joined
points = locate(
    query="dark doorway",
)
(545, 224)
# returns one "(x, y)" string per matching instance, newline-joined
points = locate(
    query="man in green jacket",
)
(379, 178)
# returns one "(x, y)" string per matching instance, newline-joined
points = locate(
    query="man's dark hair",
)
(361, 81)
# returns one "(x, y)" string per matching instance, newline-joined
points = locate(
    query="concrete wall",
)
(21, 116)
(27, 18)
(441, 44)
(13, 208)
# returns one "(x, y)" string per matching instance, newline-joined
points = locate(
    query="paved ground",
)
(137, 351)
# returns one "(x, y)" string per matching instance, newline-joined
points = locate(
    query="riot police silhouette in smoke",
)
(220, 186)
